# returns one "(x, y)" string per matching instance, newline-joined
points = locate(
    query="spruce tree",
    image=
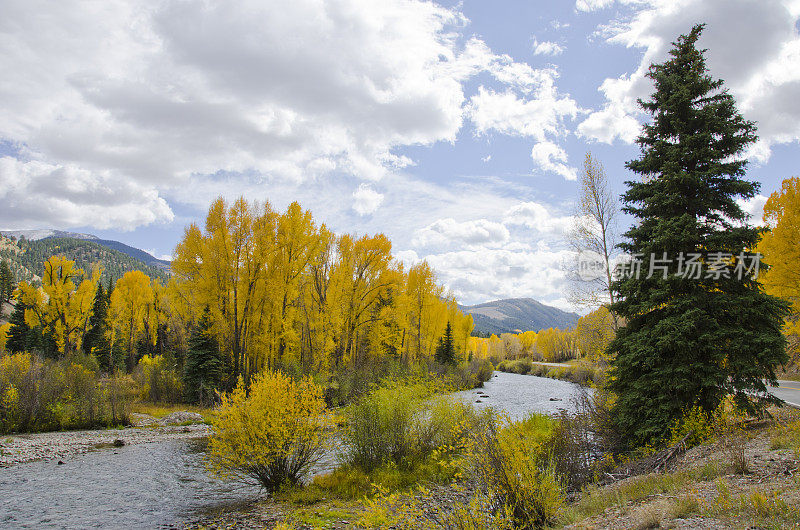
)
(97, 339)
(446, 350)
(6, 282)
(203, 367)
(19, 334)
(690, 342)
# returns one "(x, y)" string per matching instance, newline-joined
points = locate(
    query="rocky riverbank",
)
(19, 448)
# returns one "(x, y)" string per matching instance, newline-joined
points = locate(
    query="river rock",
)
(181, 416)
(119, 443)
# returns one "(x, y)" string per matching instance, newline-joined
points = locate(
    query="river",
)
(161, 484)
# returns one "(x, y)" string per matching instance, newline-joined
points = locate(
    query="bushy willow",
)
(271, 435)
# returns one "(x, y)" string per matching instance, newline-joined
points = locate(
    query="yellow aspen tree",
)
(297, 244)
(779, 246)
(130, 300)
(60, 307)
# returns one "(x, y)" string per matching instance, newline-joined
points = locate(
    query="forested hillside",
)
(26, 257)
(518, 314)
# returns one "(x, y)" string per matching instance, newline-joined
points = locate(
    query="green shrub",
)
(514, 466)
(402, 424)
(55, 395)
(158, 381)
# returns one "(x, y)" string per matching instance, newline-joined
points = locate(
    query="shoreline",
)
(16, 449)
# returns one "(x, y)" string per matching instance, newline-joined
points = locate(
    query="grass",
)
(596, 500)
(159, 410)
(787, 437)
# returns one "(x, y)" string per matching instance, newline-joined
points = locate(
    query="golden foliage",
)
(284, 292)
(781, 251)
(271, 435)
(61, 307)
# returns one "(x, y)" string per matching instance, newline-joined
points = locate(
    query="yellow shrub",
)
(514, 465)
(273, 435)
(158, 382)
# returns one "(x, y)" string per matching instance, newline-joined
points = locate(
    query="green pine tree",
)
(19, 334)
(446, 350)
(6, 282)
(97, 340)
(203, 367)
(690, 342)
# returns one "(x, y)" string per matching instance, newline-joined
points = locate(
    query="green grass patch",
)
(159, 410)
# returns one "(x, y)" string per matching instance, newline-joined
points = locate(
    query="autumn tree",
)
(63, 305)
(130, 300)
(595, 232)
(690, 341)
(779, 246)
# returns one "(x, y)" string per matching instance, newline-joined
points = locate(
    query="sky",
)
(456, 128)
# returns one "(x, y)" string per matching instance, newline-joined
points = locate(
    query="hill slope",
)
(518, 314)
(48, 233)
(26, 257)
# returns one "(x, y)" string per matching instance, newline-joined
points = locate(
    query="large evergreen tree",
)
(203, 368)
(7, 282)
(19, 334)
(446, 350)
(690, 342)
(98, 339)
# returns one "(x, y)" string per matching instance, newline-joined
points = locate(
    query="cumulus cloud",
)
(753, 46)
(546, 48)
(538, 217)
(551, 157)
(449, 231)
(596, 5)
(542, 117)
(37, 194)
(165, 93)
(534, 272)
(754, 207)
(366, 200)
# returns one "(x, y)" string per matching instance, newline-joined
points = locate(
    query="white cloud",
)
(551, 157)
(160, 94)
(753, 46)
(539, 217)
(37, 194)
(538, 117)
(546, 48)
(754, 207)
(449, 231)
(536, 273)
(597, 5)
(541, 115)
(366, 200)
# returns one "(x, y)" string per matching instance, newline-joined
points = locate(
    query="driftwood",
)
(663, 458)
(655, 463)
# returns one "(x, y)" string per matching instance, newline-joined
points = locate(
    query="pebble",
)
(20, 448)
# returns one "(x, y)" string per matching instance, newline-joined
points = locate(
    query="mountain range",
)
(27, 250)
(513, 315)
(141, 255)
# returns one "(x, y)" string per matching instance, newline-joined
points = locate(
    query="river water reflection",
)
(160, 484)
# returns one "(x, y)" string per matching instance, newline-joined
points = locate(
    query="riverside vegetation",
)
(303, 338)
(551, 471)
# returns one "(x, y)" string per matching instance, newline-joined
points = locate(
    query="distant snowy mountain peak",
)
(44, 233)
